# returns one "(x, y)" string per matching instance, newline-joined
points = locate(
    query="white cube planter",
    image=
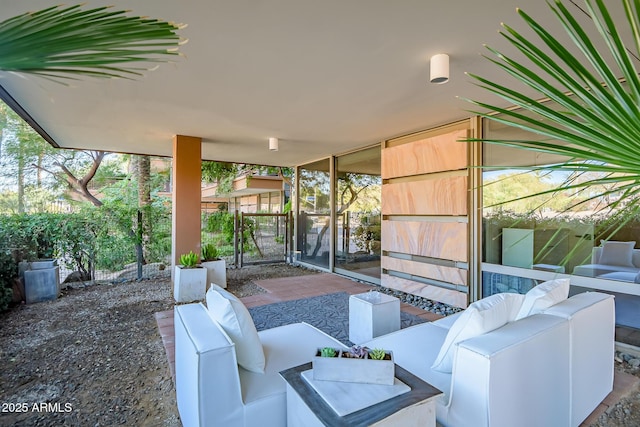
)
(216, 272)
(189, 284)
(352, 370)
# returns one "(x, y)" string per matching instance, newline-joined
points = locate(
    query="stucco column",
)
(185, 212)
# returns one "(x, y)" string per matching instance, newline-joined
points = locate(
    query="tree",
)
(79, 186)
(20, 147)
(143, 223)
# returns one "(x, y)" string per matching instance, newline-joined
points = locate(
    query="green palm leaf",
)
(68, 42)
(590, 113)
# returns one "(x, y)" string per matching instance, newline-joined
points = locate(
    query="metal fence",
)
(262, 238)
(115, 256)
(258, 238)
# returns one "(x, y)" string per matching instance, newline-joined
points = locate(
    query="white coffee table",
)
(372, 314)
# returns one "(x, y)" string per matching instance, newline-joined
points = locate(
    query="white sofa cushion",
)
(544, 296)
(617, 253)
(226, 309)
(480, 317)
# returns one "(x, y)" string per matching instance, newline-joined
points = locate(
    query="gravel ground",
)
(94, 356)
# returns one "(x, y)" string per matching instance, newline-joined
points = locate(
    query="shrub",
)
(8, 272)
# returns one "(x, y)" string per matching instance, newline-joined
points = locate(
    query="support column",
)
(186, 195)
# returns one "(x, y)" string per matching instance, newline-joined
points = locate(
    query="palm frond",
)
(591, 109)
(68, 42)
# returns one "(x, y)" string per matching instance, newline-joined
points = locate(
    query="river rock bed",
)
(420, 302)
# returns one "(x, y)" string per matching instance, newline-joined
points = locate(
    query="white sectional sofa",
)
(614, 261)
(546, 369)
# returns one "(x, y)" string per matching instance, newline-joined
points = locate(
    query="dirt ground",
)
(94, 357)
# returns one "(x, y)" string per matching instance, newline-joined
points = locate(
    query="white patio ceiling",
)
(324, 77)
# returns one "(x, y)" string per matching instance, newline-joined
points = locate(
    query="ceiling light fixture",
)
(440, 68)
(273, 144)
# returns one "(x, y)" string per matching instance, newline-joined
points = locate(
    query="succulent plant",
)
(377, 354)
(328, 352)
(358, 352)
(189, 260)
(209, 252)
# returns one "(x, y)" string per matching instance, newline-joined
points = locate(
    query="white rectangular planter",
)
(347, 369)
(189, 284)
(216, 272)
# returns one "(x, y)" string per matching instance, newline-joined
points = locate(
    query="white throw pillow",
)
(226, 309)
(544, 296)
(617, 253)
(480, 317)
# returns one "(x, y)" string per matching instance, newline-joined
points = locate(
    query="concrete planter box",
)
(189, 284)
(216, 272)
(41, 264)
(353, 370)
(41, 285)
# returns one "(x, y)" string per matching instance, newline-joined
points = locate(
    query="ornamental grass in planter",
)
(357, 364)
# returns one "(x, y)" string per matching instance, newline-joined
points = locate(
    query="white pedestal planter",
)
(372, 314)
(189, 284)
(216, 272)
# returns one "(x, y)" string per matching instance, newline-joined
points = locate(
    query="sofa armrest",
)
(514, 375)
(591, 317)
(207, 381)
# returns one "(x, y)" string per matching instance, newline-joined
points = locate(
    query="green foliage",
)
(328, 352)
(223, 223)
(33, 236)
(217, 171)
(8, 272)
(93, 238)
(368, 233)
(591, 119)
(66, 42)
(209, 252)
(287, 207)
(189, 260)
(377, 354)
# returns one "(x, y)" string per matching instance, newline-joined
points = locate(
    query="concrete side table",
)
(372, 314)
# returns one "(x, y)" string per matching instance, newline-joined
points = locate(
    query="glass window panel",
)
(553, 232)
(358, 212)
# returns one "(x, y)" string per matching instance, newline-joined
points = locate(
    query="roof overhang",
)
(324, 77)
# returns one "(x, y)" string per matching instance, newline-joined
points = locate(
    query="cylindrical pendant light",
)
(273, 144)
(440, 68)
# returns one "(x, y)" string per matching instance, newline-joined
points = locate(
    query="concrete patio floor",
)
(291, 288)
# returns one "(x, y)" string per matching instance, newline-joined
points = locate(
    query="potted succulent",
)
(216, 267)
(357, 364)
(190, 279)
